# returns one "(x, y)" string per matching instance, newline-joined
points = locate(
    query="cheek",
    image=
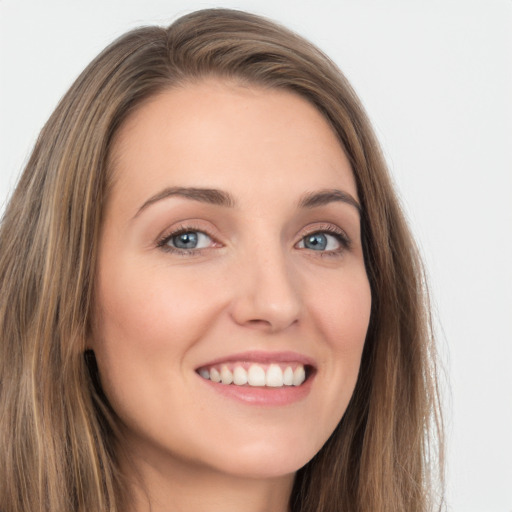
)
(146, 324)
(343, 310)
(342, 314)
(150, 309)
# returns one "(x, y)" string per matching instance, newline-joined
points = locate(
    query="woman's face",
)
(230, 250)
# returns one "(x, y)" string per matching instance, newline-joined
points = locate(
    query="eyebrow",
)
(323, 197)
(221, 198)
(203, 195)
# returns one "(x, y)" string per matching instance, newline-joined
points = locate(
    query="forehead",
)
(229, 136)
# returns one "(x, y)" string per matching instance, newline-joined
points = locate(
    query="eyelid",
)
(185, 227)
(197, 226)
(330, 229)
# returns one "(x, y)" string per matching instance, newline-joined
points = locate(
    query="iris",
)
(316, 242)
(185, 240)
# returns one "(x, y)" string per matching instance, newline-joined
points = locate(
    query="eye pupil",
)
(316, 241)
(185, 240)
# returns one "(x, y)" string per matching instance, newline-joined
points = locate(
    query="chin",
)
(262, 460)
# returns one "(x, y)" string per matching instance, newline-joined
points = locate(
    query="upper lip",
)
(262, 357)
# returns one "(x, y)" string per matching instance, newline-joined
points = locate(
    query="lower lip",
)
(263, 396)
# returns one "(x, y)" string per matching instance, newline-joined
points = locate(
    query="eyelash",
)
(329, 229)
(180, 230)
(336, 232)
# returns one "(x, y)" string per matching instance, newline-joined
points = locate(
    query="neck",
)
(182, 486)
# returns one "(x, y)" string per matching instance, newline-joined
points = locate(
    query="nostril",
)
(267, 325)
(266, 297)
(257, 323)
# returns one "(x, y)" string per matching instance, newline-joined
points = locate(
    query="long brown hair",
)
(57, 433)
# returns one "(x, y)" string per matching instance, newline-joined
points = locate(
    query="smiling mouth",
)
(250, 374)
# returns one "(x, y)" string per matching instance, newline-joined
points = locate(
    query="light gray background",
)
(436, 79)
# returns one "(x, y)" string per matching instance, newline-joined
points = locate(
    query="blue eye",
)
(322, 241)
(316, 241)
(187, 240)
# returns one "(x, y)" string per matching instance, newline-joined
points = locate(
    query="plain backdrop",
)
(436, 79)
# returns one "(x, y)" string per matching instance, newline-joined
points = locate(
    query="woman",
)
(210, 296)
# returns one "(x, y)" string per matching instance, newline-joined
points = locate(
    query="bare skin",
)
(231, 242)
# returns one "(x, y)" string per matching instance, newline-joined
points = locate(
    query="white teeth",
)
(240, 376)
(226, 376)
(288, 376)
(214, 375)
(274, 376)
(256, 375)
(299, 376)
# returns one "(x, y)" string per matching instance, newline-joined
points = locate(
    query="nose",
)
(266, 292)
